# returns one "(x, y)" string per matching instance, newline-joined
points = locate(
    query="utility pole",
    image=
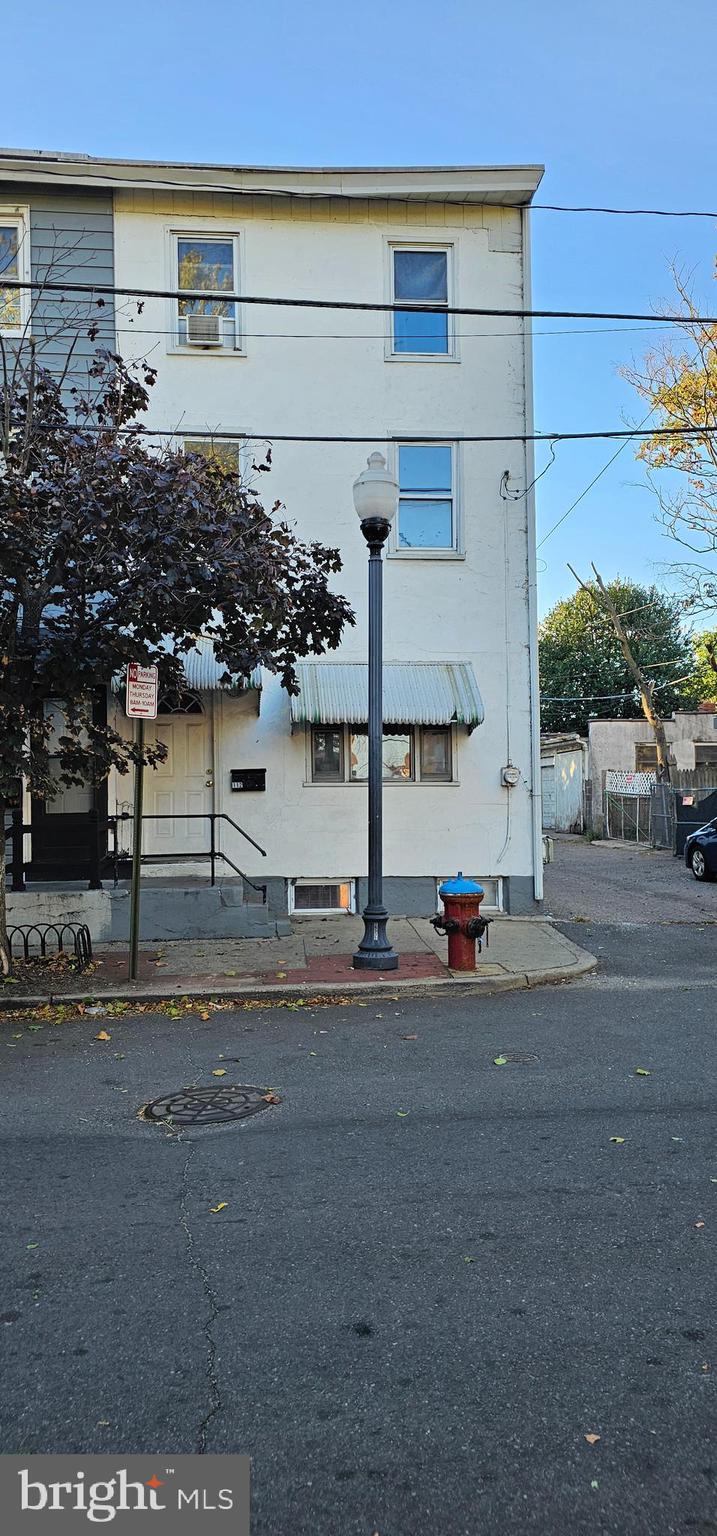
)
(644, 684)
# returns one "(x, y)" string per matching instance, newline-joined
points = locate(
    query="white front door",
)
(180, 787)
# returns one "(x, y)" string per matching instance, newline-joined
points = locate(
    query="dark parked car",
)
(701, 851)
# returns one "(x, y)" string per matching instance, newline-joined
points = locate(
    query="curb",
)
(418, 987)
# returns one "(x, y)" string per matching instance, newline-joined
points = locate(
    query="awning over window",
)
(414, 693)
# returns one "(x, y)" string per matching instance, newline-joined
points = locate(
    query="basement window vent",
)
(312, 896)
(492, 885)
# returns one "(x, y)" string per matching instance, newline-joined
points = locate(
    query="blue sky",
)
(616, 100)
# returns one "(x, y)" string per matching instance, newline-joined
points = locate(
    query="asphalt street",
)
(433, 1276)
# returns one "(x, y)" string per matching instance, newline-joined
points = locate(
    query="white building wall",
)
(471, 608)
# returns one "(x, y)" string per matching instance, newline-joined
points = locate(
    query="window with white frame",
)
(411, 754)
(420, 275)
(427, 512)
(13, 263)
(207, 266)
(226, 455)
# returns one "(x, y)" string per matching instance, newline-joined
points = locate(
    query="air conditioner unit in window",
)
(204, 330)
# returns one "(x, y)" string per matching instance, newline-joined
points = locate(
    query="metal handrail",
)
(18, 828)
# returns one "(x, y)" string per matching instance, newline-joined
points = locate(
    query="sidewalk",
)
(314, 961)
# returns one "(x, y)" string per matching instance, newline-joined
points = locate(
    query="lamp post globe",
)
(376, 502)
(376, 492)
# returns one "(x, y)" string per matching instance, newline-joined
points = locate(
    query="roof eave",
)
(510, 185)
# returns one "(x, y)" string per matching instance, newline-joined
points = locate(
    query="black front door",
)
(69, 835)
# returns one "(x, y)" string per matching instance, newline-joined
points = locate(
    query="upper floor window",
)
(220, 451)
(427, 503)
(208, 264)
(421, 276)
(14, 306)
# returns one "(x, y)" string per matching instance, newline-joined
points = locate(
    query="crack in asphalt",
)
(199, 1269)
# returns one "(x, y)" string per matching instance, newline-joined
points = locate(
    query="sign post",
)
(140, 705)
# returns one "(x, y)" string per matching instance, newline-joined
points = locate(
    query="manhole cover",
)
(209, 1106)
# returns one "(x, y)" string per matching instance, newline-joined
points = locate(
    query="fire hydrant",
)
(462, 921)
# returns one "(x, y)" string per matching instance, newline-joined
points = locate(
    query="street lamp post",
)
(376, 500)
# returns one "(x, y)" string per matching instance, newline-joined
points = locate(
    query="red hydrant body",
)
(461, 921)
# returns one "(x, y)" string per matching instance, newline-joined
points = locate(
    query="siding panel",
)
(71, 239)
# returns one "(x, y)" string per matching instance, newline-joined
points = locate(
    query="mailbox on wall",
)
(242, 779)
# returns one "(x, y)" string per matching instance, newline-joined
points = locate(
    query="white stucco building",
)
(460, 648)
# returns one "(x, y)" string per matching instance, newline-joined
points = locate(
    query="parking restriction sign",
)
(141, 702)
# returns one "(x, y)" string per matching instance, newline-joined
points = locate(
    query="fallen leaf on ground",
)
(219, 1072)
(204, 1015)
(220, 1207)
(594, 1483)
(103, 1035)
(500, 1061)
(103, 1423)
(281, 975)
(402, 1113)
(468, 1259)
(592, 1439)
(699, 1224)
(409, 1037)
(33, 1245)
(618, 1141)
(313, 1053)
(272, 1098)
(642, 1072)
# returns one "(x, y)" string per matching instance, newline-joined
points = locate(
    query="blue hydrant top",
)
(460, 886)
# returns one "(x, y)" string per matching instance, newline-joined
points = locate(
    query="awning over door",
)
(414, 693)
(203, 673)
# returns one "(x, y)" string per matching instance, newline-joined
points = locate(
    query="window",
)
(327, 755)
(705, 752)
(14, 307)
(420, 276)
(645, 756)
(397, 754)
(224, 454)
(436, 756)
(208, 263)
(411, 754)
(322, 896)
(426, 507)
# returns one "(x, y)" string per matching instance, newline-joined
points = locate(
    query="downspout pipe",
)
(537, 819)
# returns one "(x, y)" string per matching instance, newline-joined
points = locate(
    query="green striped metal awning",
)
(414, 693)
(203, 673)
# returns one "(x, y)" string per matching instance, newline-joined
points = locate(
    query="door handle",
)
(209, 782)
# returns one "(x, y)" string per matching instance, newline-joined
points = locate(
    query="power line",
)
(405, 437)
(319, 195)
(406, 306)
(655, 213)
(590, 485)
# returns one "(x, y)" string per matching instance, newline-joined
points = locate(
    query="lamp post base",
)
(374, 952)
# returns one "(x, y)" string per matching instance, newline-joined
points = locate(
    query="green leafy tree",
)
(702, 687)
(582, 665)
(111, 552)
